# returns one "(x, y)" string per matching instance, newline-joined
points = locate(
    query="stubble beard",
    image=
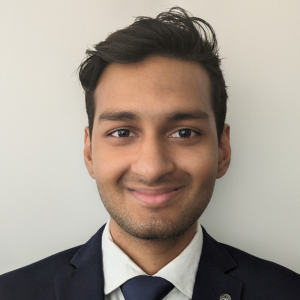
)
(157, 228)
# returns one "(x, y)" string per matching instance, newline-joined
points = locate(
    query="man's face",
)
(154, 153)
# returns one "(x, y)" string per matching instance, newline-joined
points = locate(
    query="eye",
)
(184, 133)
(123, 133)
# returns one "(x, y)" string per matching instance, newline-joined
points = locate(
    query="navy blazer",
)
(77, 274)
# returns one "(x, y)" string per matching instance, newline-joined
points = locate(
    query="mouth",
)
(155, 197)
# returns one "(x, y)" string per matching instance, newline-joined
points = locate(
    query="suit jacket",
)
(77, 274)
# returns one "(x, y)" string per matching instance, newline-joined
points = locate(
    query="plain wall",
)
(48, 201)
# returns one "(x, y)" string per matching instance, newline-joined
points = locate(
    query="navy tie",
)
(146, 288)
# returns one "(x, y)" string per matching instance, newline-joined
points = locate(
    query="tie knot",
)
(146, 288)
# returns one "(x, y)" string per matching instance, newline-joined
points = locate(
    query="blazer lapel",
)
(212, 280)
(86, 282)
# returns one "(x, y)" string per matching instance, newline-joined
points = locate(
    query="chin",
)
(156, 228)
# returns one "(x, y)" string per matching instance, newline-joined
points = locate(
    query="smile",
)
(155, 197)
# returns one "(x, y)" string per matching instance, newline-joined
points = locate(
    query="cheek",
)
(108, 165)
(201, 163)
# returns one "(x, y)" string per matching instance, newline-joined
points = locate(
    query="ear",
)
(224, 154)
(88, 158)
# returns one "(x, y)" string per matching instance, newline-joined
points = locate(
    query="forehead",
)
(153, 87)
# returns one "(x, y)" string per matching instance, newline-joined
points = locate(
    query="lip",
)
(155, 197)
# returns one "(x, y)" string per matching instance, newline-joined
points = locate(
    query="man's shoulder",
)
(36, 281)
(262, 275)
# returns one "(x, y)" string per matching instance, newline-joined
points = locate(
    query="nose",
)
(153, 160)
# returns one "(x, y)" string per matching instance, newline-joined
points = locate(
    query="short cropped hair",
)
(173, 34)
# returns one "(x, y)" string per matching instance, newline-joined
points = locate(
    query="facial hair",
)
(156, 227)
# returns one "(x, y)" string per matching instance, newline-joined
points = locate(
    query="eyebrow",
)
(170, 117)
(118, 116)
(187, 115)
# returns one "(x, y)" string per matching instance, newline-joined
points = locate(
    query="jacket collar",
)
(212, 280)
(87, 280)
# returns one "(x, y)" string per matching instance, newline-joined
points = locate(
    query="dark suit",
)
(76, 274)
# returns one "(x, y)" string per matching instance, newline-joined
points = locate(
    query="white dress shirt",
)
(181, 271)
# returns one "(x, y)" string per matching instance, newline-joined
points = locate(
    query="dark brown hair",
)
(173, 34)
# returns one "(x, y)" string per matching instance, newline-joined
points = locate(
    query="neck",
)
(150, 255)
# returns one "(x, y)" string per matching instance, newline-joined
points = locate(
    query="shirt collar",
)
(181, 271)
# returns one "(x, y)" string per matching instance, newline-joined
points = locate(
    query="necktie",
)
(146, 288)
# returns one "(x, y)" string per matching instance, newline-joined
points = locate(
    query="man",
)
(155, 144)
